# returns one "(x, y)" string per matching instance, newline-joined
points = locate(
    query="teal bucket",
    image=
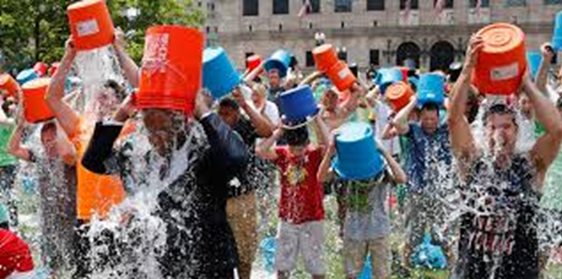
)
(386, 77)
(557, 36)
(26, 76)
(431, 89)
(279, 60)
(219, 75)
(534, 59)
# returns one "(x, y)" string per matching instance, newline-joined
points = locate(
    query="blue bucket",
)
(26, 76)
(219, 75)
(357, 156)
(427, 255)
(534, 59)
(386, 77)
(268, 246)
(280, 60)
(557, 36)
(431, 89)
(297, 104)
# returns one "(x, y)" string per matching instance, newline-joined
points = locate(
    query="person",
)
(301, 212)
(192, 204)
(366, 226)
(16, 261)
(263, 105)
(241, 203)
(8, 163)
(96, 195)
(501, 185)
(57, 178)
(427, 162)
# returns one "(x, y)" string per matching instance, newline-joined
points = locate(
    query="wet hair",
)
(430, 107)
(500, 109)
(229, 103)
(48, 125)
(297, 137)
(119, 90)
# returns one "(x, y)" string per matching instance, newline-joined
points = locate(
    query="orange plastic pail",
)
(90, 24)
(325, 57)
(502, 61)
(253, 62)
(9, 84)
(171, 68)
(398, 95)
(40, 68)
(341, 76)
(34, 104)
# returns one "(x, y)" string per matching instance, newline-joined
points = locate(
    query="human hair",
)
(119, 89)
(430, 107)
(499, 109)
(297, 137)
(229, 103)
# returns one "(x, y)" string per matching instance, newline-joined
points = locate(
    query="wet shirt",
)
(301, 193)
(6, 159)
(428, 157)
(367, 215)
(498, 234)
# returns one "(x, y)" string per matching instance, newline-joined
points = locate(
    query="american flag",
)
(439, 6)
(306, 8)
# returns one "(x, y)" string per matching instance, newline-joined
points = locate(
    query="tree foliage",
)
(35, 30)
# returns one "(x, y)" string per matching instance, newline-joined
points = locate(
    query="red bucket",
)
(34, 104)
(253, 62)
(171, 68)
(53, 69)
(325, 57)
(40, 68)
(502, 62)
(341, 76)
(399, 94)
(9, 84)
(90, 24)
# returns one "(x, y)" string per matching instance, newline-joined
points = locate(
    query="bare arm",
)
(65, 148)
(311, 78)
(264, 128)
(325, 172)
(130, 68)
(398, 173)
(322, 131)
(66, 116)
(264, 149)
(400, 122)
(15, 146)
(542, 75)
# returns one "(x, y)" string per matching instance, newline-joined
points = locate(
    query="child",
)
(366, 226)
(301, 213)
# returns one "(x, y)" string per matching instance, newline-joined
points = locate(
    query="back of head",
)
(229, 103)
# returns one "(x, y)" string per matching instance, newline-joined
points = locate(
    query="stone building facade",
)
(380, 32)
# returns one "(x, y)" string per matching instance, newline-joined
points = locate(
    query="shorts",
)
(306, 239)
(355, 253)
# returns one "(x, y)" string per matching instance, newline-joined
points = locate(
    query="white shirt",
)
(271, 112)
(383, 113)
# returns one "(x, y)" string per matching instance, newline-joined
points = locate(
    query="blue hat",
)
(219, 75)
(279, 60)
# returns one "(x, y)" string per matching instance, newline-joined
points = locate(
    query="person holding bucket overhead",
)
(501, 185)
(96, 194)
(301, 212)
(359, 161)
(180, 128)
(428, 160)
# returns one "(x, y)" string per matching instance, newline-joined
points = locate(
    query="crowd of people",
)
(459, 168)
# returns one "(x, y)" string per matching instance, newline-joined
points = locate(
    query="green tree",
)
(35, 30)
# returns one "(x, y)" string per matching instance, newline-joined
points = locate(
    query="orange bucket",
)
(325, 57)
(90, 24)
(9, 84)
(34, 105)
(341, 76)
(502, 61)
(253, 62)
(399, 94)
(171, 68)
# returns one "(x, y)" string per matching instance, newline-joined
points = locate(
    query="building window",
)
(309, 59)
(374, 57)
(342, 6)
(515, 3)
(448, 4)
(314, 6)
(483, 3)
(552, 2)
(250, 8)
(414, 4)
(280, 7)
(375, 5)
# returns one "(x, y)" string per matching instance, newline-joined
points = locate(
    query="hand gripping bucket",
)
(557, 36)
(279, 60)
(357, 157)
(90, 24)
(501, 63)
(171, 68)
(40, 68)
(253, 62)
(341, 76)
(9, 84)
(219, 75)
(386, 77)
(26, 75)
(431, 89)
(325, 57)
(35, 107)
(534, 59)
(399, 95)
(297, 105)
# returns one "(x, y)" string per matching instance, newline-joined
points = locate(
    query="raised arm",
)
(65, 148)
(130, 68)
(264, 128)
(325, 172)
(398, 173)
(400, 122)
(311, 78)
(66, 116)
(15, 146)
(249, 78)
(322, 131)
(462, 141)
(547, 53)
(265, 150)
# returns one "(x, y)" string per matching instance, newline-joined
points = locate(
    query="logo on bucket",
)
(343, 73)
(505, 72)
(87, 27)
(156, 53)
